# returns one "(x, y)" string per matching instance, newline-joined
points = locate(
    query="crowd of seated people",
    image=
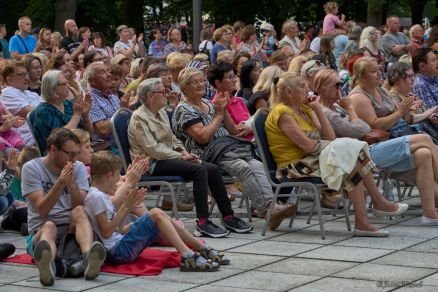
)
(374, 93)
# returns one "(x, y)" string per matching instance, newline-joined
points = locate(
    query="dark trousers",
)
(203, 175)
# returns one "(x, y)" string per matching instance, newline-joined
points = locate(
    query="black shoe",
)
(210, 229)
(6, 249)
(237, 225)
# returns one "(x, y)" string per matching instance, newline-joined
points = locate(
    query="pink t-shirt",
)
(10, 138)
(238, 111)
(331, 21)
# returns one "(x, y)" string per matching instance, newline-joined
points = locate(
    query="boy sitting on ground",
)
(125, 243)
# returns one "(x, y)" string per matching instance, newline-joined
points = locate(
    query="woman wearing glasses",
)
(223, 38)
(208, 130)
(56, 111)
(150, 135)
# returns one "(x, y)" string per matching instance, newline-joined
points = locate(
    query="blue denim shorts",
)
(394, 154)
(142, 234)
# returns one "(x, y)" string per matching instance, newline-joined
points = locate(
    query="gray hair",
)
(120, 28)
(147, 86)
(397, 71)
(49, 83)
(90, 71)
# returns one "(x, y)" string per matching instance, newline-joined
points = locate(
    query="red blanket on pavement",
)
(149, 263)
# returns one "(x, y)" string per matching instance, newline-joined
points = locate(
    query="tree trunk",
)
(417, 8)
(65, 9)
(133, 11)
(375, 12)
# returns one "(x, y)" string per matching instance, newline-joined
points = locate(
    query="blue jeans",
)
(6, 201)
(142, 234)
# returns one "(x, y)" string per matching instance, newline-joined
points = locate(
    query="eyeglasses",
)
(69, 154)
(231, 77)
(22, 75)
(410, 76)
(338, 85)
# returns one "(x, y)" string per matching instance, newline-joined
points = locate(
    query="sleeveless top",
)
(382, 108)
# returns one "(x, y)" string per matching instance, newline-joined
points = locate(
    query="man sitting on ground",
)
(55, 187)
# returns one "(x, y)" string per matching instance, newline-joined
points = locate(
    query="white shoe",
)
(428, 221)
(363, 233)
(402, 208)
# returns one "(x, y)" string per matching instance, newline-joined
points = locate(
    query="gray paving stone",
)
(144, 284)
(174, 275)
(345, 253)
(391, 242)
(266, 281)
(228, 242)
(339, 285)
(7, 288)
(275, 248)
(72, 284)
(308, 267)
(413, 231)
(243, 261)
(13, 273)
(379, 272)
(431, 280)
(410, 259)
(312, 236)
(216, 288)
(427, 246)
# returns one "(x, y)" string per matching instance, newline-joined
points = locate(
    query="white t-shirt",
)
(203, 45)
(36, 176)
(96, 203)
(15, 100)
(315, 44)
(119, 45)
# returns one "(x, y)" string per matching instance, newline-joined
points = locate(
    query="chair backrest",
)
(258, 126)
(120, 123)
(30, 122)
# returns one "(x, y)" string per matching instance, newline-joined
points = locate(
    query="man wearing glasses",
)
(425, 65)
(55, 187)
(17, 99)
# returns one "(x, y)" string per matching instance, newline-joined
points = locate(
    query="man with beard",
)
(70, 41)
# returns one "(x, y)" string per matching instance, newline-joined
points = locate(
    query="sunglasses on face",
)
(338, 85)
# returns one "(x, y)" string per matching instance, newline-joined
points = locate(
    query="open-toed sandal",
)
(189, 265)
(214, 255)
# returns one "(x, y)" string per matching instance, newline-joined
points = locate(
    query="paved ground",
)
(294, 259)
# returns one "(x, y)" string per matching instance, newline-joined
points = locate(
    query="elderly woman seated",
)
(150, 135)
(205, 130)
(57, 111)
(297, 129)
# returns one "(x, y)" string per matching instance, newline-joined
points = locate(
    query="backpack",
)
(15, 219)
(69, 259)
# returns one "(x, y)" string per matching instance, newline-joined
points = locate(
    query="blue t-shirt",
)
(215, 50)
(22, 47)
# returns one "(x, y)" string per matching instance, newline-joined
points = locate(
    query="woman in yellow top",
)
(295, 127)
